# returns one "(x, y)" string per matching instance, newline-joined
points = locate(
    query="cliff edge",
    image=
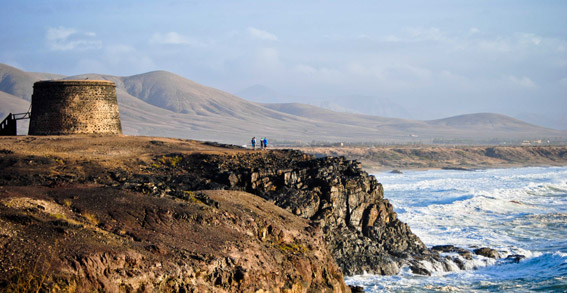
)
(335, 194)
(69, 222)
(136, 213)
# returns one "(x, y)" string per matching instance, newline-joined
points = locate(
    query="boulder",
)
(452, 249)
(515, 258)
(487, 252)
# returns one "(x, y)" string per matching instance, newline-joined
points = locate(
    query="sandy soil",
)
(81, 235)
(109, 150)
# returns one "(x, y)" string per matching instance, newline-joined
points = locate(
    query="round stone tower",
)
(74, 107)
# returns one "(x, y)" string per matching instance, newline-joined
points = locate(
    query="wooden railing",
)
(8, 126)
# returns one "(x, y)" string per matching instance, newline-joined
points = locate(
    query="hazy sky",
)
(435, 58)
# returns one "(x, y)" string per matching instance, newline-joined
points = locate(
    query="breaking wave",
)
(520, 211)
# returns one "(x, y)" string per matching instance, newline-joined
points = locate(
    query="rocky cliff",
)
(360, 226)
(93, 238)
(127, 206)
(69, 221)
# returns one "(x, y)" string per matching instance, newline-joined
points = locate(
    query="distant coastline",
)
(383, 158)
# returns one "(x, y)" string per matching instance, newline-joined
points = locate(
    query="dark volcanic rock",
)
(346, 203)
(515, 258)
(487, 252)
(450, 248)
(360, 226)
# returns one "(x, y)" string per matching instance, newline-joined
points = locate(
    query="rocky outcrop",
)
(487, 252)
(360, 226)
(467, 254)
(94, 238)
(105, 211)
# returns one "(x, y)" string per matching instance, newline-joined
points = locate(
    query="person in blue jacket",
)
(253, 141)
(265, 142)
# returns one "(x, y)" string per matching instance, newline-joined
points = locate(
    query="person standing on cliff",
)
(253, 141)
(265, 142)
(262, 143)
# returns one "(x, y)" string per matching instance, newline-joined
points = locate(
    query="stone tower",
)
(74, 107)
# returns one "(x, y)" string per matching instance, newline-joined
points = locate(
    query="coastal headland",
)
(409, 157)
(126, 213)
(120, 214)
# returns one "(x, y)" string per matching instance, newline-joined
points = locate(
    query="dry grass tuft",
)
(91, 218)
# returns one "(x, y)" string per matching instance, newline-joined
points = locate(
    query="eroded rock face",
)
(335, 194)
(360, 226)
(95, 238)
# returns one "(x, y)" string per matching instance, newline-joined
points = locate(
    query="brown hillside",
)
(63, 227)
(160, 103)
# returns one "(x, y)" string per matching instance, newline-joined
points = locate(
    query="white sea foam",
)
(521, 211)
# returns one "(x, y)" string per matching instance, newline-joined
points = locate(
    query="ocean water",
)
(519, 211)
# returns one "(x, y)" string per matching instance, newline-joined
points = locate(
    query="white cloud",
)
(395, 72)
(519, 42)
(115, 59)
(364, 37)
(261, 34)
(453, 78)
(474, 41)
(66, 39)
(306, 69)
(407, 72)
(530, 39)
(174, 38)
(361, 69)
(416, 34)
(119, 49)
(495, 45)
(59, 33)
(425, 34)
(523, 82)
(91, 65)
(323, 73)
(124, 56)
(391, 39)
(268, 59)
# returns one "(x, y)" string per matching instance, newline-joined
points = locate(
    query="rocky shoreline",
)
(109, 210)
(381, 158)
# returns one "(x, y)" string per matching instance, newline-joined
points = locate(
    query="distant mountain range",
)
(376, 106)
(160, 103)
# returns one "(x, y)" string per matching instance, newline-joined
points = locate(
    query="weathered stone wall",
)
(74, 107)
